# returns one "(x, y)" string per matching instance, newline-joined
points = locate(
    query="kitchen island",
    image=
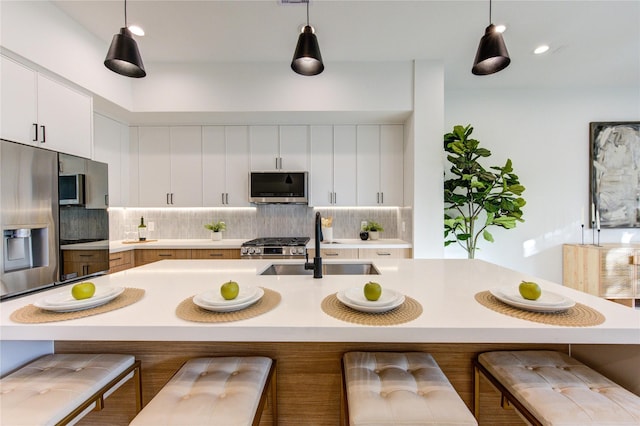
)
(307, 342)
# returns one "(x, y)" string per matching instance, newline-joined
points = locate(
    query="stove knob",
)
(243, 250)
(258, 250)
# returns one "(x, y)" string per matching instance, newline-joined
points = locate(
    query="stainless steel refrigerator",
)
(53, 217)
(28, 217)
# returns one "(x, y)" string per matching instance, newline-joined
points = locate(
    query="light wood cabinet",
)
(144, 256)
(40, 111)
(333, 166)
(611, 271)
(225, 160)
(84, 262)
(380, 165)
(384, 253)
(121, 261)
(220, 254)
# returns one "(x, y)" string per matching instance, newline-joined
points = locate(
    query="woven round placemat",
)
(577, 316)
(32, 315)
(409, 310)
(189, 311)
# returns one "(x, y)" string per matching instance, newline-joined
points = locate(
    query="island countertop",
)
(444, 288)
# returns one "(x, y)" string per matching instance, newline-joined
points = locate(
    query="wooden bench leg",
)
(269, 394)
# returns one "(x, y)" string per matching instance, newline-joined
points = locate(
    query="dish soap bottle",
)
(142, 230)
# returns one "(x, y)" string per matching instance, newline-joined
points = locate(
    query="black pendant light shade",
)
(307, 59)
(492, 55)
(124, 57)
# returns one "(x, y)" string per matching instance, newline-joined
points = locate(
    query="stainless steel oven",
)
(275, 248)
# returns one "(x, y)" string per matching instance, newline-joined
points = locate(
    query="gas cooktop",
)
(277, 241)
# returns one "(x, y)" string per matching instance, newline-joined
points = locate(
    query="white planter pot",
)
(216, 236)
(374, 235)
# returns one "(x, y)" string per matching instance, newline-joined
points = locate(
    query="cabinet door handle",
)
(382, 198)
(113, 259)
(35, 127)
(216, 254)
(383, 253)
(331, 253)
(172, 198)
(106, 200)
(377, 197)
(165, 255)
(168, 198)
(226, 197)
(222, 197)
(276, 163)
(86, 255)
(44, 134)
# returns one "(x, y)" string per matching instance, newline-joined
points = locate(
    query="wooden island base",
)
(308, 375)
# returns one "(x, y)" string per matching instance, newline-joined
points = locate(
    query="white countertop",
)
(445, 288)
(118, 246)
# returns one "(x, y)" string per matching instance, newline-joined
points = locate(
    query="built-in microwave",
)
(278, 187)
(71, 190)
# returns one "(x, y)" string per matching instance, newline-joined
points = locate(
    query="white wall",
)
(546, 135)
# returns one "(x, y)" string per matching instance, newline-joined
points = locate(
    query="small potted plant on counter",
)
(216, 229)
(373, 229)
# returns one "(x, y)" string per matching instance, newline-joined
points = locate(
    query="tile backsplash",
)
(284, 220)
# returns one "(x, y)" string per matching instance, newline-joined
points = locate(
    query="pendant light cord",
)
(125, 13)
(489, 12)
(307, 13)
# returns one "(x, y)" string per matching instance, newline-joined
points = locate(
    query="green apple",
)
(229, 290)
(372, 291)
(83, 290)
(530, 290)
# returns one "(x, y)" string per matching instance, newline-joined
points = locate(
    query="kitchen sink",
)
(327, 269)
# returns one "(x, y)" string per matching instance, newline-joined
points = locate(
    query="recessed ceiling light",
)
(500, 28)
(136, 30)
(541, 49)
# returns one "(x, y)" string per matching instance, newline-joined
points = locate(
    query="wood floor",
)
(308, 375)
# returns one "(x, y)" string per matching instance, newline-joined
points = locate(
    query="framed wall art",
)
(615, 173)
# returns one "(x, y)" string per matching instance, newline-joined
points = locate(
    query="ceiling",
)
(593, 43)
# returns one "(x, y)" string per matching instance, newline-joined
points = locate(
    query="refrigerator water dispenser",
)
(25, 248)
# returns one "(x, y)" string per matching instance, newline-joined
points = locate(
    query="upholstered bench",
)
(59, 388)
(390, 388)
(214, 391)
(551, 388)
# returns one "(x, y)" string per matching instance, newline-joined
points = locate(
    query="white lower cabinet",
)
(38, 110)
(225, 162)
(360, 253)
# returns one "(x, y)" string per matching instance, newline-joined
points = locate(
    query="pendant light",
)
(123, 56)
(492, 55)
(307, 59)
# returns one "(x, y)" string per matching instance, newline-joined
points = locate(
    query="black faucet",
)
(317, 260)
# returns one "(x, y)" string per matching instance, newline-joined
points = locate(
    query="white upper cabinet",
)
(18, 121)
(279, 148)
(111, 146)
(333, 166)
(225, 159)
(170, 166)
(380, 165)
(38, 110)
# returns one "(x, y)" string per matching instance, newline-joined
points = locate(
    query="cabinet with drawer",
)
(84, 262)
(384, 253)
(215, 254)
(120, 261)
(337, 253)
(144, 256)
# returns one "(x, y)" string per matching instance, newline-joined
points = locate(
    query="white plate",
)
(229, 308)
(373, 309)
(356, 296)
(214, 298)
(547, 298)
(64, 302)
(531, 305)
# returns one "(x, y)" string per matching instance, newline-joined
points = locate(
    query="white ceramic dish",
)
(64, 302)
(547, 298)
(531, 305)
(372, 309)
(229, 307)
(356, 296)
(214, 298)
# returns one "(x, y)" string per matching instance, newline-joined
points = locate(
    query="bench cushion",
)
(388, 388)
(49, 388)
(209, 391)
(560, 391)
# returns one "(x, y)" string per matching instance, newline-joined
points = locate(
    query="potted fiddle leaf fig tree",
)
(476, 198)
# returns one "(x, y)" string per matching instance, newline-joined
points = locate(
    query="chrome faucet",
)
(317, 260)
